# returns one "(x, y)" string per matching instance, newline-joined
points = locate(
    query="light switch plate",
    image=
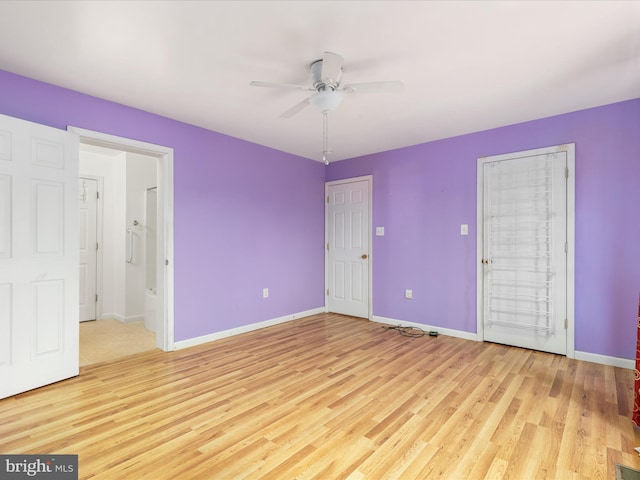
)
(464, 229)
(380, 231)
(408, 294)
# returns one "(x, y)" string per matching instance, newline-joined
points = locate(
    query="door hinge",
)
(566, 172)
(327, 292)
(96, 298)
(327, 247)
(98, 195)
(566, 247)
(566, 323)
(97, 246)
(166, 263)
(327, 198)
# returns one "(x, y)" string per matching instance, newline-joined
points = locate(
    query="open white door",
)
(38, 255)
(88, 247)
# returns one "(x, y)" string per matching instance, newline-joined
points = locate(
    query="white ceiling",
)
(466, 65)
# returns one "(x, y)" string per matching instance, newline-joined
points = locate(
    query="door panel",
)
(5, 216)
(348, 242)
(5, 145)
(524, 258)
(48, 318)
(48, 218)
(88, 247)
(38, 255)
(357, 224)
(339, 277)
(357, 288)
(6, 320)
(47, 153)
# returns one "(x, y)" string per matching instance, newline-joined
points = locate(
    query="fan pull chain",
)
(325, 137)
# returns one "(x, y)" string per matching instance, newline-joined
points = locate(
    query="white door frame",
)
(570, 149)
(165, 327)
(369, 180)
(99, 258)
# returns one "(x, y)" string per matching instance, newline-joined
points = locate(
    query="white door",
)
(348, 248)
(524, 259)
(38, 255)
(88, 247)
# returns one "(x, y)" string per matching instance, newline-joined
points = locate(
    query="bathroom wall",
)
(140, 175)
(125, 179)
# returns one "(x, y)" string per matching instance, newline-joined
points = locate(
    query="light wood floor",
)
(332, 397)
(104, 340)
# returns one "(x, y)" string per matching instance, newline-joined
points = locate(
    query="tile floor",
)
(104, 340)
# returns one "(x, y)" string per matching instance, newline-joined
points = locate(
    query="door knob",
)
(364, 256)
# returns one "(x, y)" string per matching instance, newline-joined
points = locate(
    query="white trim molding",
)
(192, 342)
(427, 328)
(582, 356)
(123, 319)
(606, 360)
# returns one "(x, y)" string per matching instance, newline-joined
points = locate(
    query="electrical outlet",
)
(464, 229)
(265, 293)
(408, 294)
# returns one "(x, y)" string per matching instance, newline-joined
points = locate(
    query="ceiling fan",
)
(326, 74)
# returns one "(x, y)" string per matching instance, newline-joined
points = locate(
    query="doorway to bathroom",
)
(131, 309)
(117, 242)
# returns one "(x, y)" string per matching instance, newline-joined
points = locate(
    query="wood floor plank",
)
(331, 396)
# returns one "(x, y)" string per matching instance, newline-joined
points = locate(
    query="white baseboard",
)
(121, 318)
(584, 356)
(244, 329)
(606, 360)
(427, 328)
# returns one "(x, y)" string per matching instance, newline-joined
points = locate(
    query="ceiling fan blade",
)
(295, 109)
(374, 87)
(331, 68)
(280, 85)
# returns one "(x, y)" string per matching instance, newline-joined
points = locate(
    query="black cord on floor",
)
(413, 332)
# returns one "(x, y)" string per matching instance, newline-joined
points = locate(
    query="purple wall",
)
(246, 216)
(422, 194)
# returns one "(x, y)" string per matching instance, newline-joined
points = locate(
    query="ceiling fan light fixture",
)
(326, 75)
(326, 101)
